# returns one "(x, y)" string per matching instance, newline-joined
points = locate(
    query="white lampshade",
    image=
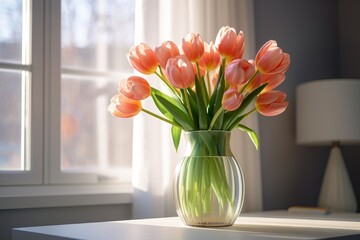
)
(327, 111)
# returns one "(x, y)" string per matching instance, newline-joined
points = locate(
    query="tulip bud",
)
(271, 59)
(135, 87)
(229, 44)
(239, 71)
(193, 46)
(143, 59)
(271, 103)
(123, 107)
(180, 72)
(166, 51)
(231, 99)
(211, 58)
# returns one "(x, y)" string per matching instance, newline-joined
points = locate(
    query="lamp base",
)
(336, 190)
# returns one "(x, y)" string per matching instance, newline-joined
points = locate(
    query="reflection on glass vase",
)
(208, 183)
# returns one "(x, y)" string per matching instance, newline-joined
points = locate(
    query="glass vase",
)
(208, 183)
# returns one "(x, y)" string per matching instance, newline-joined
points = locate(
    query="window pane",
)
(97, 34)
(92, 139)
(11, 123)
(11, 30)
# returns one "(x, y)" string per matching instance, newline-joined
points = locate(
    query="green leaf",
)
(217, 91)
(235, 122)
(161, 108)
(174, 100)
(219, 121)
(176, 136)
(252, 134)
(193, 103)
(178, 113)
(203, 119)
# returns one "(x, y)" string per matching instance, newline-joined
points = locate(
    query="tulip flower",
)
(166, 51)
(143, 59)
(228, 88)
(239, 71)
(135, 87)
(123, 107)
(271, 103)
(211, 58)
(231, 99)
(271, 59)
(180, 72)
(229, 44)
(193, 46)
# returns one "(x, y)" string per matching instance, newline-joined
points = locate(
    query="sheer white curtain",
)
(154, 157)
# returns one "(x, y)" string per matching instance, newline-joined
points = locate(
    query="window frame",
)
(35, 69)
(45, 182)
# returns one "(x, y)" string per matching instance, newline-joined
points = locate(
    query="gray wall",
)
(321, 38)
(61, 215)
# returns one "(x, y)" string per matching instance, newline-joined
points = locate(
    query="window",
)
(16, 83)
(59, 65)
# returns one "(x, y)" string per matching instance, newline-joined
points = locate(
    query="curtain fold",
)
(154, 157)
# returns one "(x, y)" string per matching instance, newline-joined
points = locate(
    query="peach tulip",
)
(211, 58)
(231, 99)
(271, 103)
(193, 46)
(229, 44)
(135, 87)
(239, 71)
(123, 107)
(180, 72)
(271, 59)
(166, 51)
(143, 59)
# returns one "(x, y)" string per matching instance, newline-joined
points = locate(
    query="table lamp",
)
(328, 112)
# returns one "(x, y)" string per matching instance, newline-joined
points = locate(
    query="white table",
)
(269, 225)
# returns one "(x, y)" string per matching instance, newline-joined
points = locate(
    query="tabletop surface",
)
(269, 225)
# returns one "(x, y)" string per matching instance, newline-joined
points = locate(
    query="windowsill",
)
(64, 195)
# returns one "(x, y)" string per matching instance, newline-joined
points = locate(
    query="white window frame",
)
(45, 182)
(34, 175)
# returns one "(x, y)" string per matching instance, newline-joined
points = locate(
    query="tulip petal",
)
(274, 109)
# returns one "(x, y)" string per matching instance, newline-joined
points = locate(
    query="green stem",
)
(223, 64)
(248, 113)
(203, 86)
(217, 114)
(161, 76)
(208, 83)
(187, 102)
(161, 118)
(251, 79)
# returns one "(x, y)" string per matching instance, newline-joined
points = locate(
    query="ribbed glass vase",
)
(208, 183)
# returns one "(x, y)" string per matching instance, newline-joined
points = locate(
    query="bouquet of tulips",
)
(210, 86)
